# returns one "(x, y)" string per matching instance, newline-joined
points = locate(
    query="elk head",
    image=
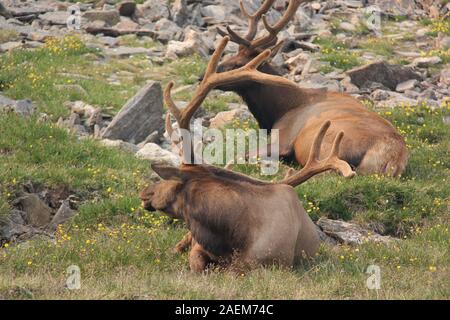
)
(163, 195)
(249, 47)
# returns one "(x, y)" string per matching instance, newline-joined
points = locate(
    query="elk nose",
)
(201, 77)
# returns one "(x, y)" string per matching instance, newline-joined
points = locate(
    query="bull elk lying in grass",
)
(228, 213)
(371, 144)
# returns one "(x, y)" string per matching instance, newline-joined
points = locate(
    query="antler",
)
(271, 38)
(212, 79)
(315, 166)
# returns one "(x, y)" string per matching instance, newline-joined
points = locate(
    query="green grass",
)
(49, 156)
(125, 253)
(337, 55)
(36, 74)
(380, 46)
(8, 35)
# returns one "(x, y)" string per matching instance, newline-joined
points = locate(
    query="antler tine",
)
(168, 125)
(234, 37)
(169, 102)
(317, 144)
(253, 19)
(184, 116)
(315, 166)
(334, 160)
(274, 30)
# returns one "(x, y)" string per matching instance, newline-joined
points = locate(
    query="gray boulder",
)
(382, 72)
(157, 155)
(21, 107)
(55, 18)
(37, 213)
(4, 12)
(64, 214)
(140, 116)
(12, 225)
(110, 17)
(350, 233)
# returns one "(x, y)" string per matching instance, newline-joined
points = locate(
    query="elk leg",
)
(199, 259)
(184, 244)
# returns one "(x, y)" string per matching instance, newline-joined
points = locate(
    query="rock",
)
(55, 18)
(140, 116)
(23, 108)
(347, 26)
(192, 44)
(382, 72)
(394, 8)
(215, 14)
(125, 52)
(380, 95)
(158, 155)
(81, 108)
(110, 17)
(426, 62)
(298, 60)
(127, 8)
(119, 144)
(225, 118)
(38, 214)
(180, 12)
(126, 26)
(154, 10)
(12, 225)
(153, 137)
(9, 46)
(444, 42)
(166, 30)
(95, 118)
(407, 85)
(445, 77)
(64, 214)
(348, 86)
(350, 233)
(4, 12)
(109, 41)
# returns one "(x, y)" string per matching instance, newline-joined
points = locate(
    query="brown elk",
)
(371, 144)
(228, 213)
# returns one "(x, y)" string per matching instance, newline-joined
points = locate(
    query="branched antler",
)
(269, 39)
(315, 166)
(212, 79)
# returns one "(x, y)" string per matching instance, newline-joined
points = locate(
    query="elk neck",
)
(269, 103)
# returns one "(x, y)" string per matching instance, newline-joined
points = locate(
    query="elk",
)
(229, 214)
(371, 144)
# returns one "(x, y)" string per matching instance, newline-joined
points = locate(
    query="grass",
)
(125, 252)
(336, 54)
(436, 26)
(380, 46)
(8, 35)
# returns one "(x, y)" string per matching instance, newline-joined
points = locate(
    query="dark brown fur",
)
(371, 144)
(221, 210)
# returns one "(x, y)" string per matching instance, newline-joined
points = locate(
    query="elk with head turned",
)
(371, 144)
(229, 214)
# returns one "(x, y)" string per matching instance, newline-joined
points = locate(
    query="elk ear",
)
(167, 172)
